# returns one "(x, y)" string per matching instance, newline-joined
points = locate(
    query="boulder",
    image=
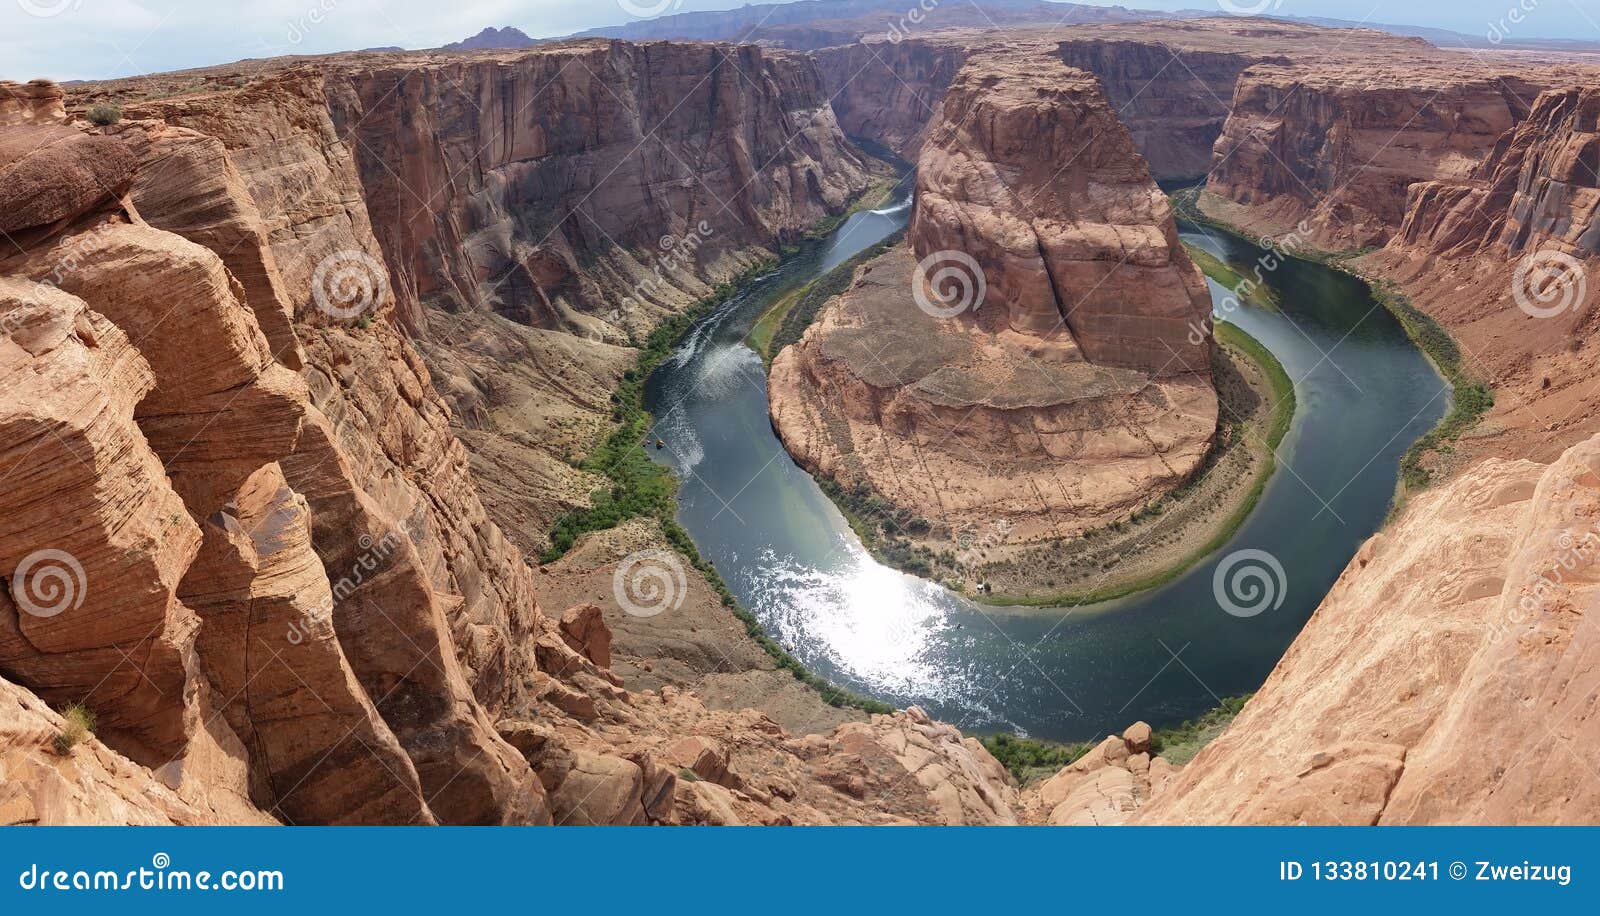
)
(584, 628)
(1137, 737)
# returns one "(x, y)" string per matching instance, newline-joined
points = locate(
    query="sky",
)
(98, 39)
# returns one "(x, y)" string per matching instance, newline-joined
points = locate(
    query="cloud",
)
(101, 39)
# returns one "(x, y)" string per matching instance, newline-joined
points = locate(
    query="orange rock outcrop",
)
(1071, 381)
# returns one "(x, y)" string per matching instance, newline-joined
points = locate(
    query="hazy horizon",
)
(102, 39)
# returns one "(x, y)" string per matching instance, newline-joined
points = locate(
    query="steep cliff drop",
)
(240, 538)
(1506, 258)
(1069, 379)
(1448, 677)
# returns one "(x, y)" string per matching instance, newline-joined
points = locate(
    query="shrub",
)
(77, 724)
(1029, 759)
(104, 114)
(1180, 743)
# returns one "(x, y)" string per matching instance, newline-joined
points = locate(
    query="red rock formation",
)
(485, 202)
(890, 91)
(1504, 257)
(1174, 99)
(1336, 146)
(45, 783)
(1446, 678)
(329, 625)
(1030, 172)
(1079, 386)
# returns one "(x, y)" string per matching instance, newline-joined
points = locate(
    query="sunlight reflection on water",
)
(878, 624)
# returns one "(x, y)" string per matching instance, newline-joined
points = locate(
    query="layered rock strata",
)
(1335, 150)
(1506, 259)
(1469, 616)
(287, 602)
(1079, 386)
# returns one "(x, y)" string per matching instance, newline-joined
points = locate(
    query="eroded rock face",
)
(1505, 258)
(93, 524)
(1335, 147)
(50, 173)
(31, 102)
(1030, 173)
(238, 675)
(527, 251)
(42, 782)
(1174, 99)
(1105, 787)
(1077, 389)
(331, 628)
(1467, 617)
(456, 160)
(892, 91)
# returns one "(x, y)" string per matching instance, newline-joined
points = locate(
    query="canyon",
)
(300, 357)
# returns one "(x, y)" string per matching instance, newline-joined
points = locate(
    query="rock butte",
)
(302, 538)
(1078, 388)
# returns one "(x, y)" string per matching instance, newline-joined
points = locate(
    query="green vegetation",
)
(1249, 290)
(883, 527)
(766, 327)
(640, 488)
(1029, 759)
(1180, 743)
(788, 318)
(875, 195)
(1471, 398)
(104, 114)
(1281, 391)
(78, 724)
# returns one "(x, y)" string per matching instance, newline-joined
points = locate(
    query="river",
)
(1364, 395)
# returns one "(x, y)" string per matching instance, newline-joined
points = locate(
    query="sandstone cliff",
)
(1447, 678)
(1075, 387)
(891, 91)
(1505, 257)
(526, 251)
(1173, 98)
(240, 531)
(1337, 149)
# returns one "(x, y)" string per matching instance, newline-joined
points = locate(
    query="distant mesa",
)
(492, 38)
